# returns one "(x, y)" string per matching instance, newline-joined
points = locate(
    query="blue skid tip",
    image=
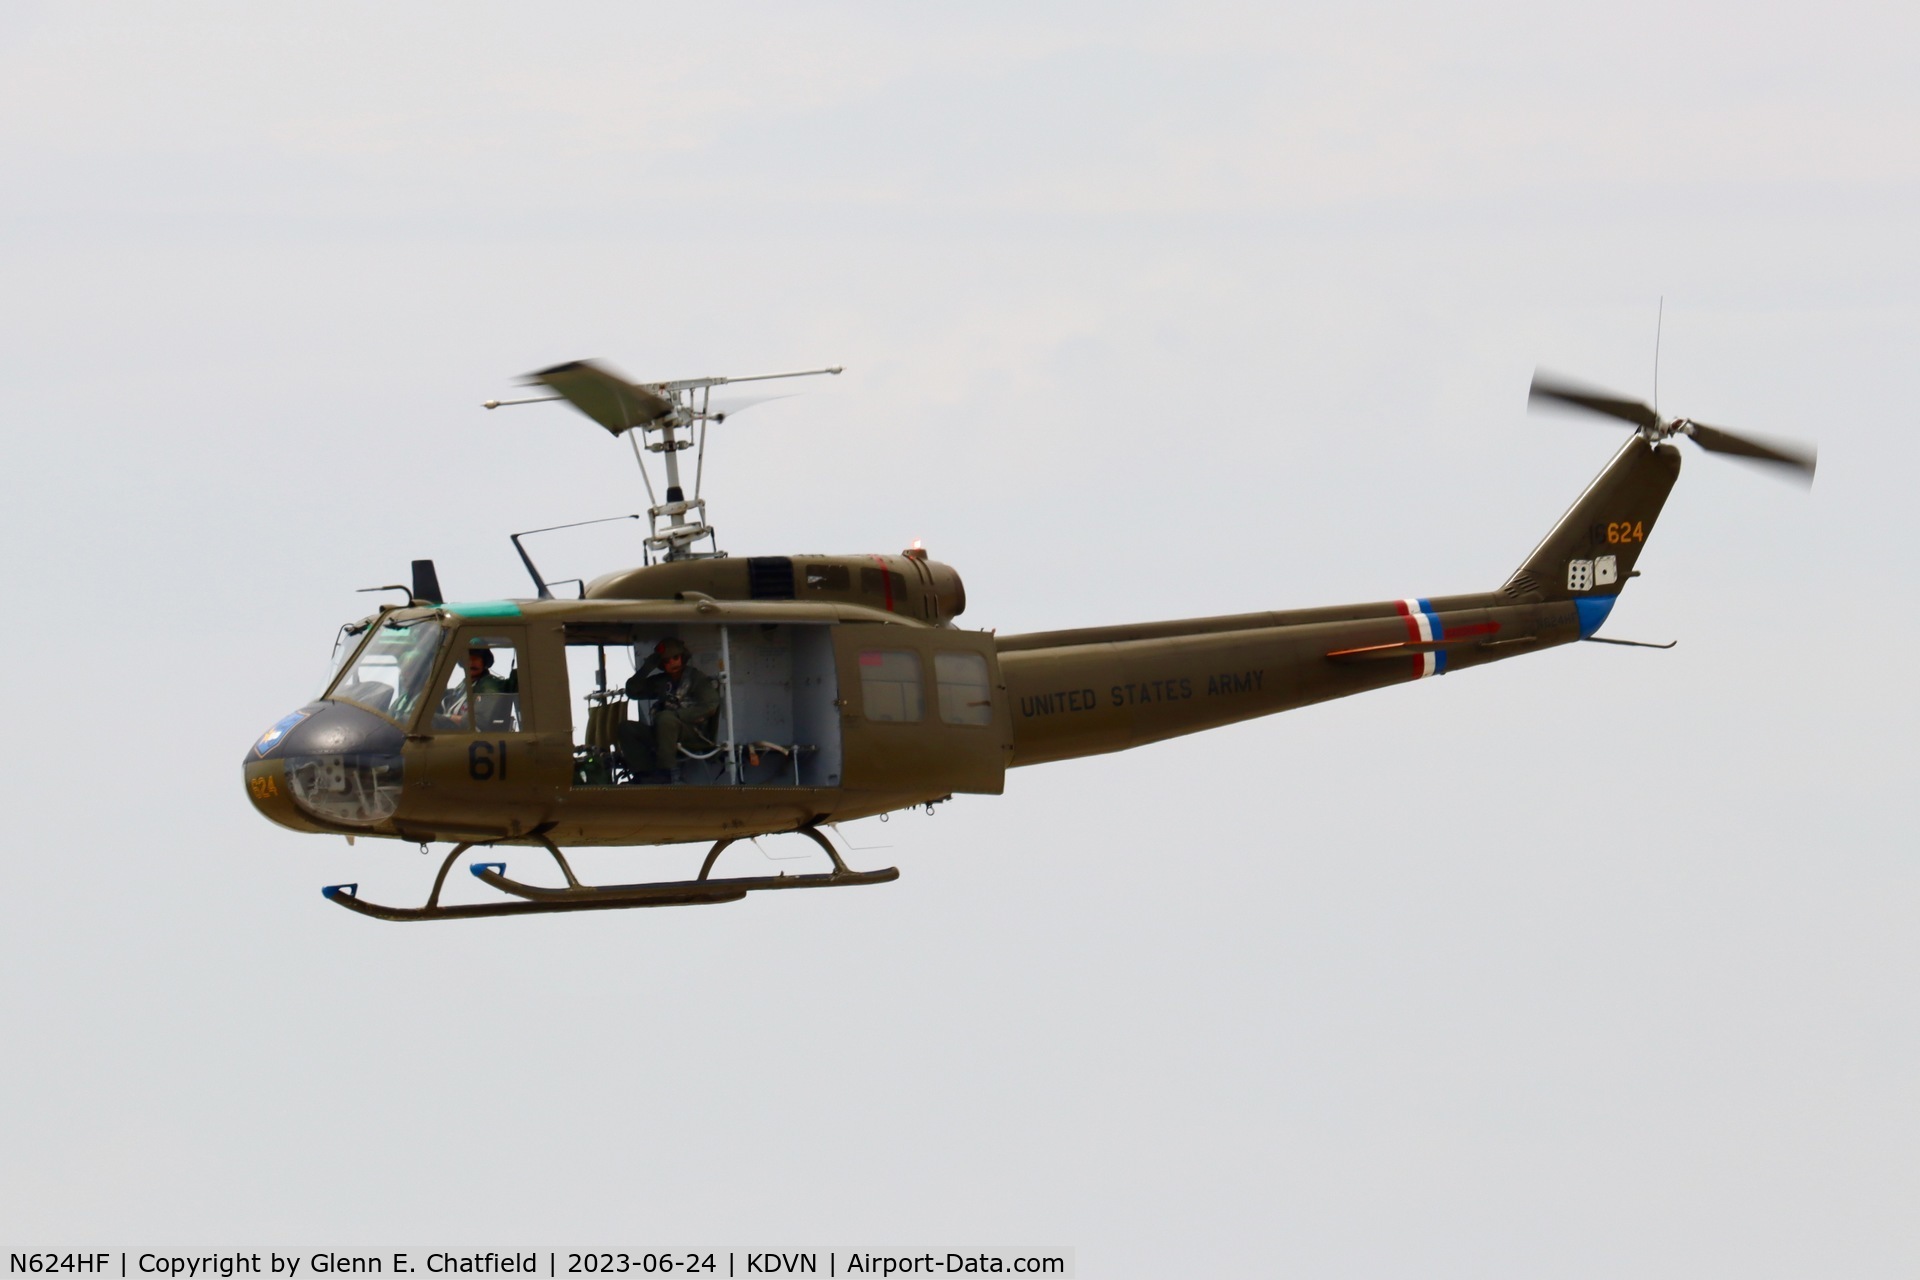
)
(498, 868)
(1593, 612)
(331, 891)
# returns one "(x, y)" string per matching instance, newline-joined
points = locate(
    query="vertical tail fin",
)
(1590, 553)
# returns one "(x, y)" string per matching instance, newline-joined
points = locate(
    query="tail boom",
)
(1094, 690)
(1090, 698)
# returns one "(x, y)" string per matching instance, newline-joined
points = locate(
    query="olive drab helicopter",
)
(705, 697)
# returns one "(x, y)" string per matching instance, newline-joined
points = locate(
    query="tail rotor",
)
(1796, 460)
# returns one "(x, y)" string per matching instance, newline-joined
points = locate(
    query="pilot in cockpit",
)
(492, 694)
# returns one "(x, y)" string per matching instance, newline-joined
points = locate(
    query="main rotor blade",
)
(1632, 411)
(1801, 458)
(603, 395)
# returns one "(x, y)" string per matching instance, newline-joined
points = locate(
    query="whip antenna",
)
(1658, 316)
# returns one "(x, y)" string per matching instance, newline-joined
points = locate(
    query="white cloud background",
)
(1597, 963)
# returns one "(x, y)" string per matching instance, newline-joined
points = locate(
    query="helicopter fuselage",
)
(832, 711)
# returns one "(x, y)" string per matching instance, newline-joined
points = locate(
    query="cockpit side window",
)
(482, 692)
(390, 672)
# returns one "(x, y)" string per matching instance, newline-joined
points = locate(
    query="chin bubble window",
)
(357, 790)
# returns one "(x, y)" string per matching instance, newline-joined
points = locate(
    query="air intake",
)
(769, 578)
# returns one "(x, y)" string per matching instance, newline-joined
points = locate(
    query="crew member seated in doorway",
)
(688, 700)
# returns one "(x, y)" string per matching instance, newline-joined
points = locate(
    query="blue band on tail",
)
(1439, 633)
(1593, 612)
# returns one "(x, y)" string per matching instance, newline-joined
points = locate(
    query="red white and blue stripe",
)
(1423, 627)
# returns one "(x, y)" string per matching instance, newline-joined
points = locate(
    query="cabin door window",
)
(890, 687)
(965, 695)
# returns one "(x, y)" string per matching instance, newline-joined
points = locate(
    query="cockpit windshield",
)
(346, 642)
(390, 671)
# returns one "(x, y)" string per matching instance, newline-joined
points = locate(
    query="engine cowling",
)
(908, 583)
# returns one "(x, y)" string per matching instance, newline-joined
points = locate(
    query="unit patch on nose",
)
(282, 727)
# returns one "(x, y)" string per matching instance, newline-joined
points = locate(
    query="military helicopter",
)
(704, 697)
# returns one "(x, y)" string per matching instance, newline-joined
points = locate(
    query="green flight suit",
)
(685, 717)
(495, 696)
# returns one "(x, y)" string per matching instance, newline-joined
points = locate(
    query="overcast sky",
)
(1598, 963)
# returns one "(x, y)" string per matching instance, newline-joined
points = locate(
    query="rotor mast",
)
(686, 517)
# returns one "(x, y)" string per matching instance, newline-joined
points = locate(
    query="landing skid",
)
(537, 899)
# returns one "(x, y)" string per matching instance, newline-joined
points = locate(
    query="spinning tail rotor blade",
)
(1798, 458)
(1546, 388)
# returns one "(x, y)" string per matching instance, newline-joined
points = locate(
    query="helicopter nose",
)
(326, 766)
